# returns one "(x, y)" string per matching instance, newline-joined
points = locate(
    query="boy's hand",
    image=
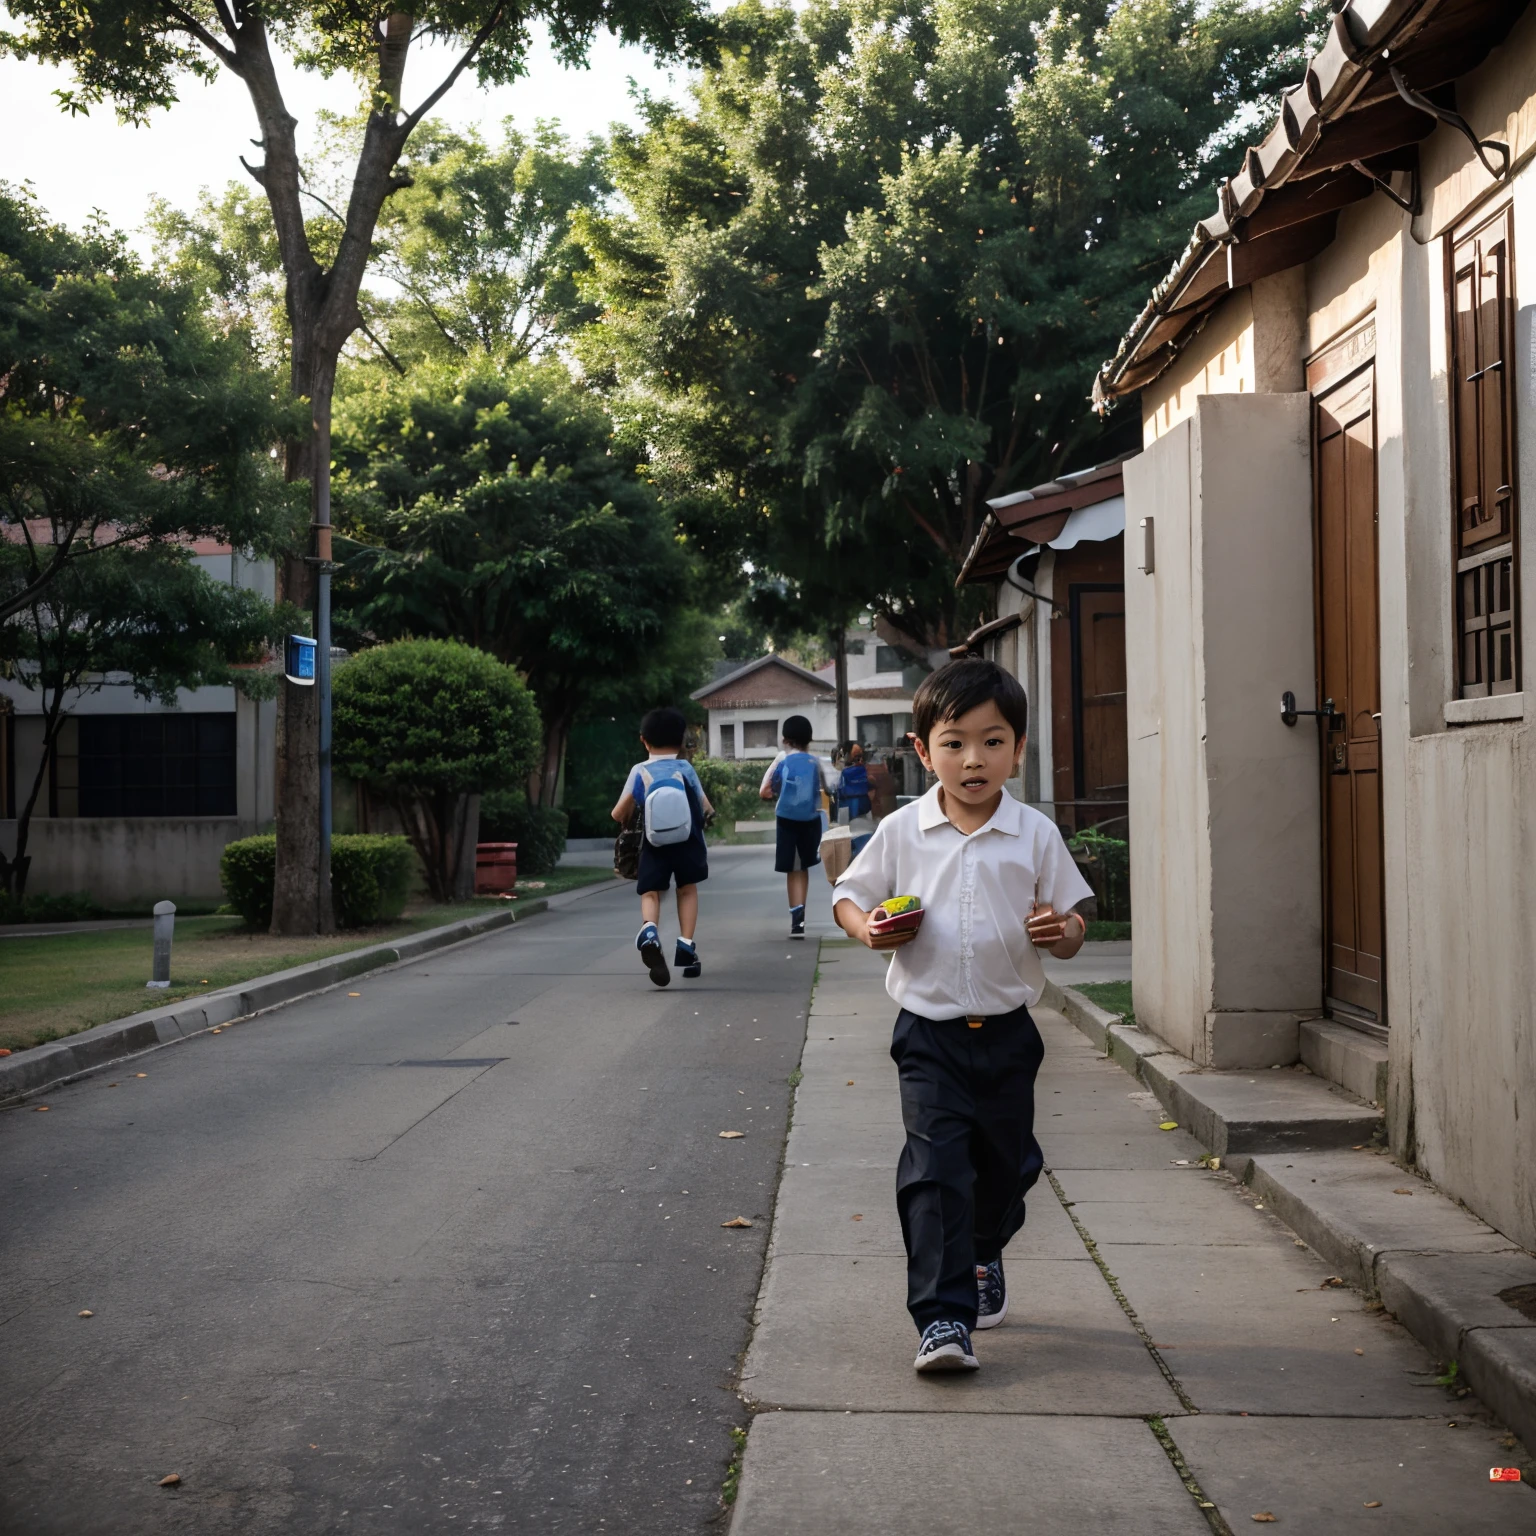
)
(854, 921)
(765, 794)
(1060, 932)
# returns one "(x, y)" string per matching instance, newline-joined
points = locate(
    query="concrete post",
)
(165, 927)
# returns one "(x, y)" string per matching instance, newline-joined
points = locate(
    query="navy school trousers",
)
(968, 1104)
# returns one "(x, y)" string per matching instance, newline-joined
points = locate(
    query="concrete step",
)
(1459, 1286)
(1345, 1056)
(1260, 1111)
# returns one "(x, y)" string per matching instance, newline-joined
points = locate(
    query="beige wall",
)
(1224, 797)
(1459, 800)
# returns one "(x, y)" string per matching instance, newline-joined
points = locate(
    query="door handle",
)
(1290, 714)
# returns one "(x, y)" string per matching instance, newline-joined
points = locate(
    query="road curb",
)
(1442, 1274)
(61, 1061)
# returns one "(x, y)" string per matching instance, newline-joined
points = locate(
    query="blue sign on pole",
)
(299, 663)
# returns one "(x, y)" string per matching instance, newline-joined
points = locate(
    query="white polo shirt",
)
(972, 956)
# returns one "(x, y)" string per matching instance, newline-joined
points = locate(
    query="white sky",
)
(84, 163)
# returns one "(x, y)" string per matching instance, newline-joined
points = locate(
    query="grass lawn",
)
(1112, 996)
(54, 986)
(1101, 929)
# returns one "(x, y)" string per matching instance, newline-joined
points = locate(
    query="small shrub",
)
(538, 830)
(371, 878)
(247, 871)
(1106, 864)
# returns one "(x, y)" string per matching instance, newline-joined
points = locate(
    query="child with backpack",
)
(673, 806)
(853, 785)
(795, 777)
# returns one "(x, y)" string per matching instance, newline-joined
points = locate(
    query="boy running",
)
(795, 777)
(997, 885)
(667, 792)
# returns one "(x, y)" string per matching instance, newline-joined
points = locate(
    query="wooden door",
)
(1349, 673)
(1101, 754)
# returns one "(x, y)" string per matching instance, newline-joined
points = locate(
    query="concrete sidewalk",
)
(1175, 1360)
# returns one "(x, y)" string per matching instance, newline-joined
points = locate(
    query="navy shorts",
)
(798, 846)
(687, 863)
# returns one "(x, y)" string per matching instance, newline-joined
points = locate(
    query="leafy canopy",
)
(126, 419)
(863, 284)
(489, 505)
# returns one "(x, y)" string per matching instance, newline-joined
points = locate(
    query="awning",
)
(1091, 525)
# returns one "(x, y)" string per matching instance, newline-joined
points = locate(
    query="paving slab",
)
(900, 1474)
(1096, 1149)
(833, 1333)
(1317, 1475)
(1187, 1206)
(1247, 1330)
(818, 1207)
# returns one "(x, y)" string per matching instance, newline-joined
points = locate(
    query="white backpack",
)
(668, 811)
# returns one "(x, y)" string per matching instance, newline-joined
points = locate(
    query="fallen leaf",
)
(141, 1074)
(858, 1218)
(216, 1031)
(736, 1221)
(42, 1109)
(1169, 1125)
(1264, 1517)
(1331, 1280)
(850, 1082)
(85, 1314)
(354, 994)
(111, 1085)
(1402, 1191)
(4, 1053)
(173, 1480)
(1374, 1504)
(732, 1135)
(203, 982)
(1359, 1351)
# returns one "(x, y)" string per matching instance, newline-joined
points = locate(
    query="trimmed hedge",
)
(538, 830)
(731, 786)
(73, 907)
(371, 878)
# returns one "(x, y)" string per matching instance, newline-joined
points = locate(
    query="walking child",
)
(853, 784)
(667, 792)
(997, 886)
(795, 777)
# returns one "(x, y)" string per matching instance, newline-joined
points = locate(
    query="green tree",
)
(126, 420)
(146, 613)
(479, 245)
(427, 724)
(863, 285)
(133, 53)
(490, 505)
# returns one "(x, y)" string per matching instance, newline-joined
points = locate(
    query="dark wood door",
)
(1349, 672)
(1101, 754)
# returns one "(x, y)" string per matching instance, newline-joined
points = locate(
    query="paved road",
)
(443, 1256)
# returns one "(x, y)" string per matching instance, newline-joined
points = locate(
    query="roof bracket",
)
(1410, 205)
(1453, 120)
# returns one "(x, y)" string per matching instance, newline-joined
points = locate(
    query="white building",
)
(140, 797)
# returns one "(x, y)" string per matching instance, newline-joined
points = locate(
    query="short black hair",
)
(664, 727)
(797, 732)
(959, 687)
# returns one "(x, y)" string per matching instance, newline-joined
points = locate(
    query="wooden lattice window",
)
(1483, 442)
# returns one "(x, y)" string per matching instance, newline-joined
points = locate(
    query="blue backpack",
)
(668, 807)
(799, 788)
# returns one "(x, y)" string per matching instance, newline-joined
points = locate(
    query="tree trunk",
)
(557, 733)
(16, 867)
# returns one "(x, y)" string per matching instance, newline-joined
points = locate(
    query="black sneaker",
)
(946, 1346)
(648, 942)
(797, 922)
(991, 1294)
(686, 958)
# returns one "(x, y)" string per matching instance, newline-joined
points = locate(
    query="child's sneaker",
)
(991, 1294)
(686, 958)
(946, 1346)
(797, 922)
(648, 942)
